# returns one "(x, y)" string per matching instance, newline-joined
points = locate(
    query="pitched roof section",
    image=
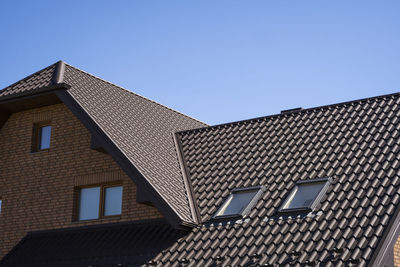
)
(40, 79)
(357, 144)
(141, 129)
(127, 244)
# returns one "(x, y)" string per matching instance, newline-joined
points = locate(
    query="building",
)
(95, 175)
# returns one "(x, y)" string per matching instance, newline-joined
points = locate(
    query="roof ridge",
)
(58, 74)
(294, 112)
(94, 76)
(29, 76)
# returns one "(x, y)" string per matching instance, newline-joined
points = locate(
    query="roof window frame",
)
(260, 191)
(327, 180)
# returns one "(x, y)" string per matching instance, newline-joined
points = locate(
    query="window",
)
(0, 206)
(100, 201)
(41, 136)
(305, 195)
(45, 134)
(112, 200)
(89, 203)
(239, 202)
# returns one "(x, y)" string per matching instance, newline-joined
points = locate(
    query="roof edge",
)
(124, 89)
(39, 90)
(29, 76)
(290, 114)
(385, 242)
(188, 184)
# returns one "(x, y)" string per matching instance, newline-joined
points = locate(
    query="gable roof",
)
(118, 244)
(357, 144)
(138, 130)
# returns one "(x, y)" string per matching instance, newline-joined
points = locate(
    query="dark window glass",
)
(44, 135)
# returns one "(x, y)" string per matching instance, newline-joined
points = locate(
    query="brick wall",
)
(396, 252)
(37, 189)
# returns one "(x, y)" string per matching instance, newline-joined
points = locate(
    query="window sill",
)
(232, 217)
(294, 211)
(40, 151)
(104, 219)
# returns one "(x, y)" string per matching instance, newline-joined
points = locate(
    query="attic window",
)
(41, 136)
(305, 195)
(239, 202)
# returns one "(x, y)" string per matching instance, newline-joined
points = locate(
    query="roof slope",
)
(40, 79)
(128, 244)
(142, 129)
(357, 144)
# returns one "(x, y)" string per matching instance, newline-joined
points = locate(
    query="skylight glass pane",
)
(236, 203)
(113, 201)
(45, 134)
(303, 195)
(89, 203)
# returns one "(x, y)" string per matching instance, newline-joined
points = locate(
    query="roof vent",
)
(291, 110)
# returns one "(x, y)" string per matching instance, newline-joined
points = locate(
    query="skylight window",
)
(239, 202)
(305, 195)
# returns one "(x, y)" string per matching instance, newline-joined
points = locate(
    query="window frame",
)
(36, 135)
(327, 182)
(103, 187)
(259, 192)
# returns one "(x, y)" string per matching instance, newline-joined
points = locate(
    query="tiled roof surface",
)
(357, 144)
(141, 128)
(37, 80)
(99, 246)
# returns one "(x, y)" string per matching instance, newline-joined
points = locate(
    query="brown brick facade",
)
(37, 189)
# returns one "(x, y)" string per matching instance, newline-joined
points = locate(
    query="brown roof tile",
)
(40, 79)
(343, 141)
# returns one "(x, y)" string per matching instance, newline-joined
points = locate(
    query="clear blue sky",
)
(215, 60)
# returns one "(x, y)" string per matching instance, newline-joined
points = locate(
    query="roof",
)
(140, 129)
(40, 79)
(357, 144)
(127, 244)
